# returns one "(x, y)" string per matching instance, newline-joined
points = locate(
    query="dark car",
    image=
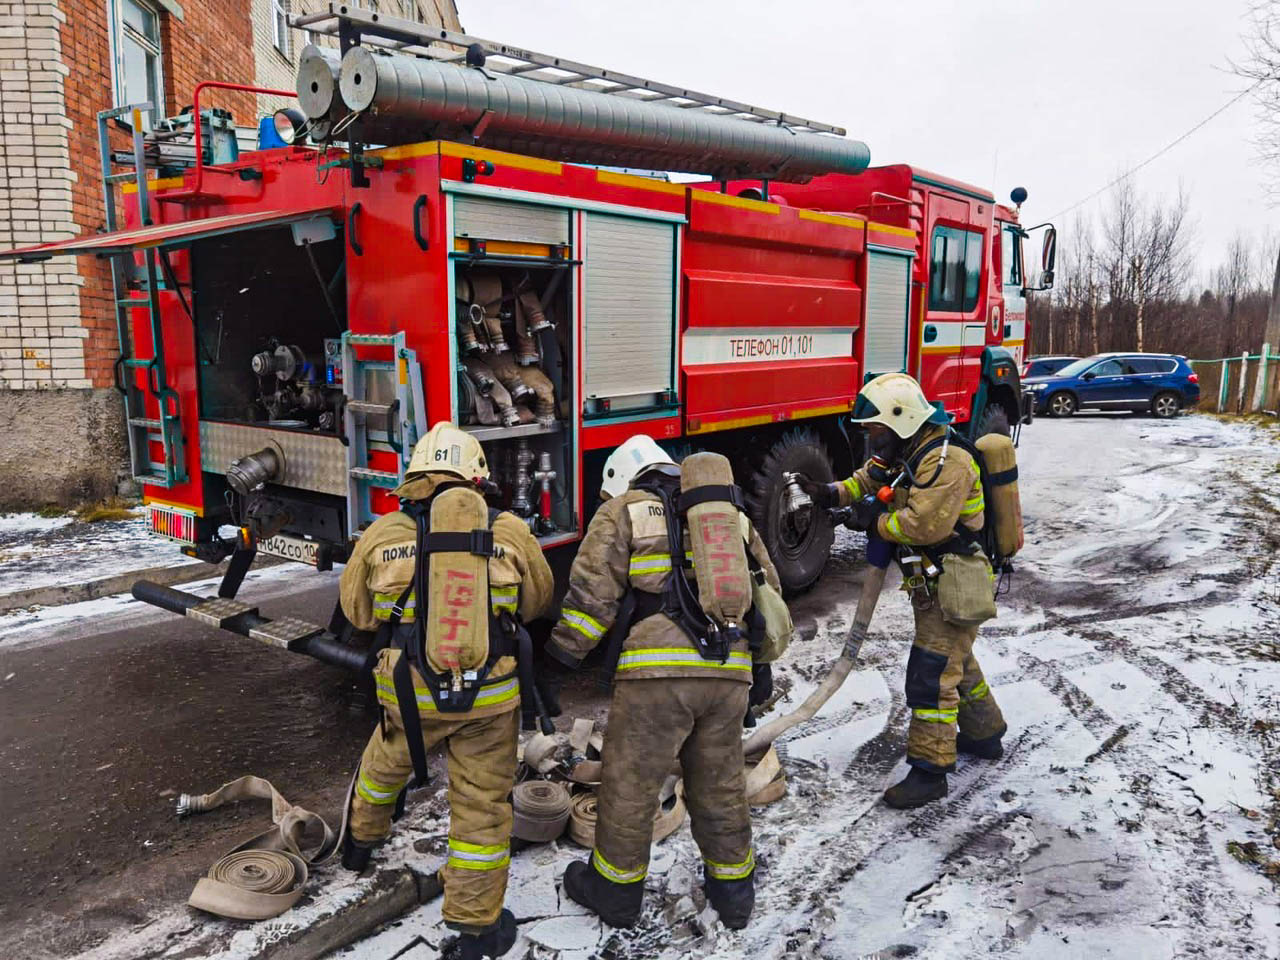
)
(1162, 383)
(1044, 366)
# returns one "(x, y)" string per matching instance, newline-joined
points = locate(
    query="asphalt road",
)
(104, 723)
(100, 732)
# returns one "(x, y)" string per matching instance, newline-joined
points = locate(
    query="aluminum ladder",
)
(404, 419)
(165, 428)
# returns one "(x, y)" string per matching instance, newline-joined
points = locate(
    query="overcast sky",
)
(1056, 96)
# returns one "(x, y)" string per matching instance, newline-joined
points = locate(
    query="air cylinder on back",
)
(404, 99)
(715, 536)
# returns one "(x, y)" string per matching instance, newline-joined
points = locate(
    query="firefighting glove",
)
(761, 684)
(865, 513)
(822, 494)
(549, 678)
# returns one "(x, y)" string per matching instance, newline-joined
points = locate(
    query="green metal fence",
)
(1245, 384)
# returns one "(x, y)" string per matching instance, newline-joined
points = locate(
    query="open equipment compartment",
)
(269, 315)
(513, 277)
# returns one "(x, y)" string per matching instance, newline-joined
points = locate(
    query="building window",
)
(955, 269)
(137, 43)
(280, 26)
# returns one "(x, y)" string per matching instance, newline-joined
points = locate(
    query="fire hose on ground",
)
(879, 554)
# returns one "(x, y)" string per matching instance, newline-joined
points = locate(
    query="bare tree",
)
(1262, 68)
(1231, 281)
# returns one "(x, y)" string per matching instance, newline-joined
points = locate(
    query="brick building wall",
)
(57, 318)
(60, 61)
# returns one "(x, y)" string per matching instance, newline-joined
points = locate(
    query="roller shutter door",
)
(885, 339)
(630, 321)
(486, 219)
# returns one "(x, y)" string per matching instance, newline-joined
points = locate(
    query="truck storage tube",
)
(405, 99)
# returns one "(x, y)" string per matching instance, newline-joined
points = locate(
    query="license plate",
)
(291, 548)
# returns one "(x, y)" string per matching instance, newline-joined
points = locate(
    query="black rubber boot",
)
(733, 899)
(617, 904)
(916, 789)
(988, 748)
(494, 942)
(355, 855)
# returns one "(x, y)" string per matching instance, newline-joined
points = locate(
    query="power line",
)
(1161, 152)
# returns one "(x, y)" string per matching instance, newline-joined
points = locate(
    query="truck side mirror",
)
(1048, 256)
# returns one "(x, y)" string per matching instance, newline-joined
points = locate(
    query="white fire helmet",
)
(634, 456)
(446, 449)
(896, 401)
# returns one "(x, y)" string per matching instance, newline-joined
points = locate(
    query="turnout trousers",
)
(945, 690)
(652, 724)
(481, 756)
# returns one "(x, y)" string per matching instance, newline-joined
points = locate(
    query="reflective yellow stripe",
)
(474, 856)
(855, 489)
(504, 598)
(384, 603)
(935, 716)
(585, 624)
(732, 871)
(651, 563)
(979, 691)
(893, 526)
(379, 794)
(679, 657)
(499, 692)
(972, 506)
(610, 872)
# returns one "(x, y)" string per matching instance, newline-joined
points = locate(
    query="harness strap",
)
(478, 542)
(411, 720)
(712, 491)
(1003, 477)
(524, 670)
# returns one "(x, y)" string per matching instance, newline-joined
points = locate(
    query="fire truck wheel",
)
(994, 420)
(799, 547)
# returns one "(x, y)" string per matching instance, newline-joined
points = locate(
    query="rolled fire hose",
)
(541, 810)
(264, 876)
(582, 816)
(766, 782)
(871, 586)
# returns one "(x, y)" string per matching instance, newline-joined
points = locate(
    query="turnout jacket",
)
(383, 564)
(925, 516)
(626, 548)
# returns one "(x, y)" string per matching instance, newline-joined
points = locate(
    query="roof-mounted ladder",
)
(352, 24)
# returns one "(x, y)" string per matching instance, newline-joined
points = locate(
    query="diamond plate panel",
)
(217, 611)
(312, 461)
(284, 631)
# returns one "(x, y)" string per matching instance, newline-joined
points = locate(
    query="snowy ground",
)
(1133, 816)
(40, 551)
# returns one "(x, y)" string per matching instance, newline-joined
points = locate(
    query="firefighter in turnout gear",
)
(935, 518)
(670, 703)
(379, 592)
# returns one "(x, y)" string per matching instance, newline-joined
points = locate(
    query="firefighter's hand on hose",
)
(864, 514)
(822, 494)
(549, 677)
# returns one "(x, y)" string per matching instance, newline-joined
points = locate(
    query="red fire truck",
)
(293, 320)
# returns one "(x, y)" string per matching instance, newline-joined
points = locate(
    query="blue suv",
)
(1161, 383)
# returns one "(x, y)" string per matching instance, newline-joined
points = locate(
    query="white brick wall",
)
(41, 338)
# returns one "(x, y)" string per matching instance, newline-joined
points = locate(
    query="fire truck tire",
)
(800, 554)
(994, 420)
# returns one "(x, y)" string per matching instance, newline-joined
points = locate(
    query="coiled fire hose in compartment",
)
(541, 810)
(262, 877)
